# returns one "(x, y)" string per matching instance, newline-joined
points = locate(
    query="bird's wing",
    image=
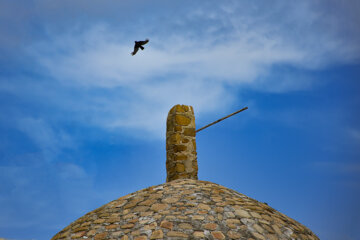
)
(143, 42)
(136, 48)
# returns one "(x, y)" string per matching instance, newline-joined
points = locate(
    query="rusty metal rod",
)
(243, 109)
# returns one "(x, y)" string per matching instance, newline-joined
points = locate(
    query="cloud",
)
(100, 57)
(66, 186)
(72, 171)
(346, 168)
(46, 139)
(200, 56)
(354, 134)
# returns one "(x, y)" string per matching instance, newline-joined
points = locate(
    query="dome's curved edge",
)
(250, 209)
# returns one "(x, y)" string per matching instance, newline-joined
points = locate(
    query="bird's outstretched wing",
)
(136, 48)
(144, 42)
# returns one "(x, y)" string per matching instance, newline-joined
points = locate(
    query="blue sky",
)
(83, 122)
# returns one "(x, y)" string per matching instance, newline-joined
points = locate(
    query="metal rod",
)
(243, 109)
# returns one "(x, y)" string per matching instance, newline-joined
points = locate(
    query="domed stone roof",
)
(184, 207)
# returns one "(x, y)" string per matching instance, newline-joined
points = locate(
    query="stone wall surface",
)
(181, 157)
(185, 209)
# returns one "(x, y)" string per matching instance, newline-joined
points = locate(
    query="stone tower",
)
(181, 159)
(184, 207)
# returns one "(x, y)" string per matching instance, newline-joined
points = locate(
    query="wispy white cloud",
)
(197, 58)
(26, 185)
(46, 139)
(339, 167)
(355, 135)
(93, 58)
(71, 171)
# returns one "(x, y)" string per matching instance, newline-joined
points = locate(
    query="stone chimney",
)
(181, 159)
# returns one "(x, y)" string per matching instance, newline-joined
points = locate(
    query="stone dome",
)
(184, 207)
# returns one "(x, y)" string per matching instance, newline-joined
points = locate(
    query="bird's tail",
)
(142, 48)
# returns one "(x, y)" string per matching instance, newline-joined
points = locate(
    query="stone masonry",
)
(181, 159)
(185, 209)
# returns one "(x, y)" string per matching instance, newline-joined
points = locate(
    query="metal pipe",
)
(243, 109)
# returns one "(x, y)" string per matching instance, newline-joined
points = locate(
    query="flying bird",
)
(139, 44)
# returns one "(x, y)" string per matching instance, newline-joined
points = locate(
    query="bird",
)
(138, 44)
